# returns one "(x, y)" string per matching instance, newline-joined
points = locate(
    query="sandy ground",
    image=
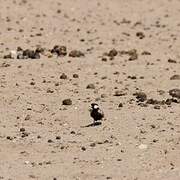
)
(40, 138)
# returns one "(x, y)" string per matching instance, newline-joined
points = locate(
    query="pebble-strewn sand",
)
(57, 57)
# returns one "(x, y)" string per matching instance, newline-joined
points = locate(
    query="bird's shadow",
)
(92, 124)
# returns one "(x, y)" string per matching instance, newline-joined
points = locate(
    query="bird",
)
(96, 113)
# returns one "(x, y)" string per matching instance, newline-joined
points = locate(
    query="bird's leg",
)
(94, 123)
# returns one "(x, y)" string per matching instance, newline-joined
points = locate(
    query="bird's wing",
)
(101, 112)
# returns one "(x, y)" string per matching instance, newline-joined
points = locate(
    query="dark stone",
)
(140, 35)
(9, 138)
(8, 56)
(140, 96)
(76, 53)
(113, 53)
(24, 134)
(58, 137)
(175, 77)
(90, 86)
(133, 55)
(93, 144)
(83, 148)
(63, 76)
(28, 117)
(67, 102)
(75, 76)
(145, 53)
(157, 107)
(22, 129)
(174, 93)
(119, 93)
(152, 101)
(49, 90)
(172, 61)
(73, 132)
(120, 105)
(50, 141)
(59, 50)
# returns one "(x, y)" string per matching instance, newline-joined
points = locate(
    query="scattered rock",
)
(155, 140)
(132, 53)
(83, 148)
(93, 144)
(49, 90)
(120, 105)
(104, 59)
(28, 117)
(112, 53)
(9, 138)
(119, 159)
(59, 50)
(152, 101)
(58, 137)
(63, 76)
(104, 96)
(90, 86)
(175, 77)
(76, 53)
(72, 132)
(56, 84)
(4, 64)
(8, 56)
(153, 126)
(67, 102)
(50, 141)
(24, 134)
(168, 101)
(75, 76)
(22, 129)
(140, 96)
(132, 77)
(108, 177)
(27, 54)
(157, 107)
(140, 35)
(119, 93)
(174, 93)
(32, 83)
(145, 53)
(172, 61)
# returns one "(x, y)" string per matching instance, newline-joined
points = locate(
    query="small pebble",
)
(83, 148)
(90, 86)
(76, 53)
(120, 105)
(175, 77)
(63, 76)
(75, 76)
(22, 130)
(58, 137)
(119, 93)
(50, 141)
(140, 96)
(67, 102)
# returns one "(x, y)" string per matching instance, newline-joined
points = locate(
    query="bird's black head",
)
(94, 106)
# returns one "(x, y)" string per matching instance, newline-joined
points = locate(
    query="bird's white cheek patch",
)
(96, 106)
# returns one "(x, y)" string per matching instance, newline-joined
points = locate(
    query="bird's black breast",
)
(97, 115)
